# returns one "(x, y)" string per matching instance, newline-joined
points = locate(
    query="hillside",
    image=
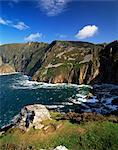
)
(64, 61)
(25, 57)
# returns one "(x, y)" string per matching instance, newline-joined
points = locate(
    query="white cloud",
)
(33, 37)
(19, 25)
(3, 22)
(87, 31)
(53, 7)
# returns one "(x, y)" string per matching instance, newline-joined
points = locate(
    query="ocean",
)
(17, 90)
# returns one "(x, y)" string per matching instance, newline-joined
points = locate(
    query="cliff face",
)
(70, 62)
(64, 61)
(6, 68)
(25, 57)
(109, 63)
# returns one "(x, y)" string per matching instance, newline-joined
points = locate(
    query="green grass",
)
(88, 136)
(63, 70)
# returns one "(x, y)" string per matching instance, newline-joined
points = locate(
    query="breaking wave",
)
(4, 74)
(100, 101)
(24, 82)
(21, 90)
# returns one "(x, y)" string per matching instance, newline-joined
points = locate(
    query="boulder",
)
(60, 148)
(31, 116)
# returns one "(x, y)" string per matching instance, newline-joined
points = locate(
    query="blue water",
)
(17, 91)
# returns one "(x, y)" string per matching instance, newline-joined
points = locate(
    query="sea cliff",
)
(64, 61)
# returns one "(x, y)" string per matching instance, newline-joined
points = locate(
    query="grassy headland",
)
(88, 135)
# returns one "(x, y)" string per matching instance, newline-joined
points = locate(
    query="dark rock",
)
(115, 101)
(6, 127)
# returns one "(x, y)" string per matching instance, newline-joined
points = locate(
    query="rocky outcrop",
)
(6, 68)
(31, 116)
(60, 148)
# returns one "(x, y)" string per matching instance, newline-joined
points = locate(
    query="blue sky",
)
(47, 20)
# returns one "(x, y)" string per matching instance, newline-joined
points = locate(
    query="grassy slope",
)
(88, 136)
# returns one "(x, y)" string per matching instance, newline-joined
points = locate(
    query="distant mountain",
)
(64, 61)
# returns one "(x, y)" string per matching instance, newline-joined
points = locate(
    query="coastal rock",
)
(58, 79)
(6, 68)
(60, 148)
(31, 116)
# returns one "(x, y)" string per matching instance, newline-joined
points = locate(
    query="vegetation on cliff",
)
(64, 61)
(26, 57)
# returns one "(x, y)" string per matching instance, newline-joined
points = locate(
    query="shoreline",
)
(85, 102)
(5, 74)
